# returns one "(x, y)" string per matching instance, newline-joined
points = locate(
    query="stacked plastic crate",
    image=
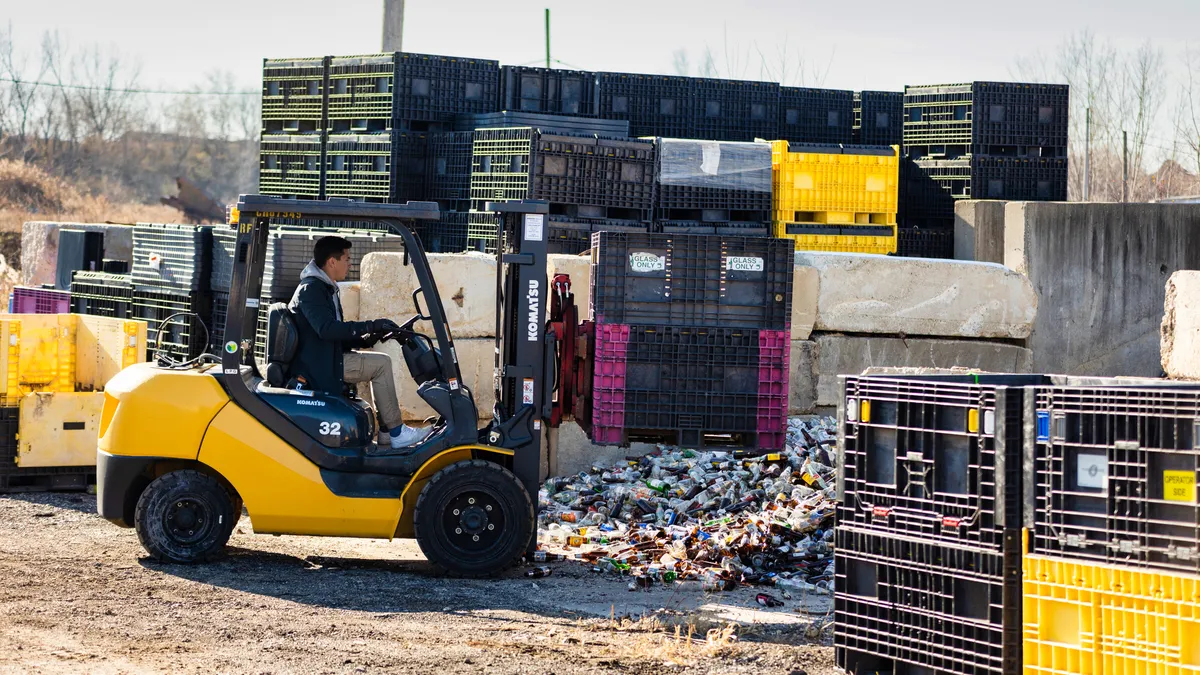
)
(44, 300)
(706, 187)
(878, 118)
(1112, 570)
(691, 107)
(292, 149)
(171, 287)
(692, 336)
(592, 183)
(980, 140)
(823, 116)
(928, 540)
(836, 198)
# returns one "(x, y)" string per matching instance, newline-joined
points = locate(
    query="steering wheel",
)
(405, 332)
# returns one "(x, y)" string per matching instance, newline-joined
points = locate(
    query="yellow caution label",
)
(1179, 486)
(973, 421)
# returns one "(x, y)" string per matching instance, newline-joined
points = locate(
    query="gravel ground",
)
(78, 595)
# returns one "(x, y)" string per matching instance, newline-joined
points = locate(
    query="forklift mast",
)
(525, 350)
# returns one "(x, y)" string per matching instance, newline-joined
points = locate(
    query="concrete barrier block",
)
(979, 230)
(1181, 327)
(349, 292)
(39, 247)
(579, 268)
(476, 360)
(851, 355)
(802, 381)
(806, 286)
(466, 282)
(916, 296)
(571, 451)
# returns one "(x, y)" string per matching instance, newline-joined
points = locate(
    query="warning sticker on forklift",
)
(743, 264)
(1091, 471)
(533, 226)
(647, 262)
(527, 391)
(1179, 486)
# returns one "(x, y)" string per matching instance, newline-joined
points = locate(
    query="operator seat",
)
(283, 339)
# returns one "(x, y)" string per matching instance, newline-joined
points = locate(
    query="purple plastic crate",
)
(26, 300)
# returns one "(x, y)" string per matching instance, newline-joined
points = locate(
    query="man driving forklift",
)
(326, 356)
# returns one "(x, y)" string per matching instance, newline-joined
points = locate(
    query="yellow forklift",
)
(183, 447)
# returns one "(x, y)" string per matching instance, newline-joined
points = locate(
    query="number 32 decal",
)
(331, 428)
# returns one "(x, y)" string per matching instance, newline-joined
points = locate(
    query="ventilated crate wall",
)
(1114, 476)
(1082, 617)
(878, 118)
(936, 458)
(101, 294)
(293, 94)
(448, 169)
(809, 115)
(177, 321)
(692, 280)
(291, 165)
(30, 300)
(565, 92)
(654, 105)
(986, 118)
(937, 242)
(912, 607)
(583, 177)
(687, 385)
(172, 257)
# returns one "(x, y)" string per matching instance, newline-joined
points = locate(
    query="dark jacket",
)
(324, 337)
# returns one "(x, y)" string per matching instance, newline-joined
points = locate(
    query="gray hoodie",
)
(311, 270)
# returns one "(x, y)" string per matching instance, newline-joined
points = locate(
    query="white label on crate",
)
(1091, 471)
(527, 391)
(533, 226)
(743, 264)
(710, 158)
(252, 303)
(155, 261)
(647, 262)
(989, 421)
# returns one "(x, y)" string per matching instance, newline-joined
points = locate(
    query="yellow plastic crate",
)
(63, 353)
(845, 242)
(815, 187)
(1097, 619)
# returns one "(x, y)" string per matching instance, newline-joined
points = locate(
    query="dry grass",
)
(29, 193)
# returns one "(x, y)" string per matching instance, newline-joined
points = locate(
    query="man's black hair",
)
(329, 247)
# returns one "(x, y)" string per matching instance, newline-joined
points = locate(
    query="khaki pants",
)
(376, 368)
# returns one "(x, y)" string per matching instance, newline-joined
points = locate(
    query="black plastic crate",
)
(14, 478)
(361, 92)
(101, 294)
(816, 115)
(434, 89)
(289, 251)
(712, 182)
(581, 177)
(290, 165)
(1114, 474)
(654, 105)
(986, 118)
(693, 420)
(220, 317)
(734, 110)
(938, 457)
(543, 90)
(692, 280)
(293, 94)
(448, 167)
(172, 257)
(1018, 179)
(448, 235)
(556, 124)
(185, 333)
(913, 607)
(879, 118)
(482, 231)
(573, 236)
(388, 166)
(925, 242)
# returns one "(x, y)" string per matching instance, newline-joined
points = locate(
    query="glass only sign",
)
(647, 262)
(743, 264)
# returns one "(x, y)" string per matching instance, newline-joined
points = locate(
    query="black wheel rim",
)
(188, 520)
(473, 520)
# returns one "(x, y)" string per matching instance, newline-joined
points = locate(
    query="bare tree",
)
(680, 63)
(1187, 117)
(23, 94)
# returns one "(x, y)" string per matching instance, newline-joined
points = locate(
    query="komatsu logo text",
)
(533, 297)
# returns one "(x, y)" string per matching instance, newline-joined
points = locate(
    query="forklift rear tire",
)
(474, 519)
(185, 517)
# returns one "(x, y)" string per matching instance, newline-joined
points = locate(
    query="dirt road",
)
(78, 595)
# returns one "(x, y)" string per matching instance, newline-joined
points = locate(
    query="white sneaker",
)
(408, 437)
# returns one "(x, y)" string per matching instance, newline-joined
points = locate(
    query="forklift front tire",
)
(185, 517)
(474, 519)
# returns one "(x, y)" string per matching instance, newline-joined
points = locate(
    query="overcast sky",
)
(866, 44)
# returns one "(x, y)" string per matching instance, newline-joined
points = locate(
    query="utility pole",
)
(547, 38)
(1087, 156)
(1125, 163)
(393, 25)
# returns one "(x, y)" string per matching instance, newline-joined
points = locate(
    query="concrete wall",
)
(1099, 271)
(979, 230)
(39, 247)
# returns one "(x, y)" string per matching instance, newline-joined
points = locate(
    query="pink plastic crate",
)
(27, 300)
